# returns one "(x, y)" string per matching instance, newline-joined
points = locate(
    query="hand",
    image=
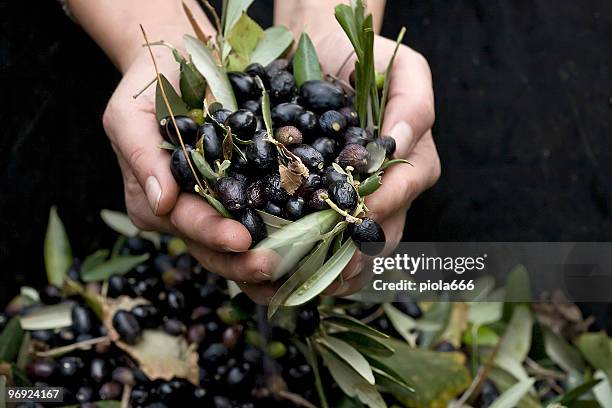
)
(409, 117)
(152, 196)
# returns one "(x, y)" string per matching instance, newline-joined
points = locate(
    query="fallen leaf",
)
(290, 180)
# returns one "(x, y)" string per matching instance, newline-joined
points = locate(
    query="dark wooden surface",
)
(524, 121)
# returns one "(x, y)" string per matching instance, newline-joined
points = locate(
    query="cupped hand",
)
(152, 196)
(409, 117)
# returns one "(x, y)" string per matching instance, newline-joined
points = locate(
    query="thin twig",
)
(213, 12)
(74, 346)
(315, 370)
(125, 397)
(296, 399)
(137, 94)
(194, 24)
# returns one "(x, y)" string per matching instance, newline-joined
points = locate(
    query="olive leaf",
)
(57, 252)
(517, 289)
(393, 162)
(563, 354)
(290, 181)
(402, 323)
(323, 277)
(438, 315)
(339, 169)
(10, 340)
(228, 144)
(310, 264)
(119, 222)
(265, 107)
(165, 145)
(192, 85)
(217, 205)
(203, 167)
(385, 91)
(218, 83)
(232, 13)
(350, 355)
(276, 40)
(95, 259)
(370, 185)
(273, 222)
(351, 382)
(237, 62)
(306, 64)
(376, 157)
(118, 265)
(511, 397)
(365, 344)
(603, 391)
(179, 107)
(504, 381)
(351, 324)
(597, 350)
(244, 35)
(48, 317)
(572, 395)
(388, 383)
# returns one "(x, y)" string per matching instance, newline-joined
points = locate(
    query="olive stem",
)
(346, 215)
(137, 94)
(315, 370)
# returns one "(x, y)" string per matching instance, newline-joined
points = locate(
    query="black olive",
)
(98, 370)
(213, 149)
(181, 171)
(126, 324)
(175, 302)
(253, 106)
(488, 393)
(325, 146)
(43, 336)
(320, 96)
(273, 209)
(332, 123)
(220, 115)
(84, 394)
(387, 143)
(213, 329)
(117, 286)
(231, 193)
(273, 189)
(110, 391)
(309, 184)
(123, 375)
(288, 135)
(370, 233)
(256, 69)
(276, 66)
(316, 201)
(214, 355)
(243, 85)
(330, 175)
(261, 125)
(307, 320)
(261, 153)
(357, 135)
(82, 319)
(242, 122)
(138, 246)
(231, 337)
(196, 333)
(309, 156)
(307, 122)
(239, 163)
(409, 307)
(41, 369)
(254, 224)
(349, 112)
(354, 155)
(285, 114)
(243, 178)
(49, 295)
(174, 327)
(255, 194)
(70, 368)
(282, 87)
(294, 208)
(344, 195)
(186, 125)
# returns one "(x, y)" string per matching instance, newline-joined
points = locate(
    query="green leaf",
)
(440, 313)
(95, 259)
(385, 91)
(203, 167)
(393, 162)
(597, 349)
(237, 62)
(192, 84)
(245, 35)
(232, 13)
(511, 397)
(350, 382)
(402, 323)
(58, 253)
(436, 377)
(388, 383)
(370, 185)
(481, 336)
(265, 107)
(276, 40)
(365, 344)
(323, 277)
(306, 66)
(352, 324)
(215, 76)
(345, 16)
(48, 317)
(179, 107)
(517, 289)
(515, 343)
(310, 265)
(563, 353)
(119, 265)
(119, 222)
(2, 392)
(10, 340)
(307, 229)
(165, 145)
(482, 313)
(575, 393)
(349, 354)
(217, 205)
(272, 221)
(603, 391)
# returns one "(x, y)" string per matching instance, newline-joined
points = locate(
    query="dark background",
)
(524, 120)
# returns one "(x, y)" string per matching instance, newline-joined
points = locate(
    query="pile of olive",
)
(316, 122)
(236, 360)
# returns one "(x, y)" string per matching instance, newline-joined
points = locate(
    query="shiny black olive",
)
(282, 87)
(231, 337)
(316, 201)
(117, 286)
(326, 146)
(368, 235)
(84, 394)
(99, 370)
(220, 115)
(276, 66)
(256, 69)
(285, 114)
(243, 178)
(387, 143)
(213, 149)
(239, 163)
(261, 153)
(82, 319)
(254, 224)
(273, 209)
(42, 369)
(243, 85)
(175, 302)
(255, 194)
(110, 391)
(138, 246)
(181, 171)
(253, 106)
(357, 135)
(332, 123)
(288, 135)
(174, 327)
(320, 96)
(261, 125)
(214, 355)
(242, 122)
(330, 175)
(127, 326)
(231, 193)
(273, 189)
(43, 336)
(349, 112)
(295, 207)
(309, 184)
(196, 333)
(309, 156)
(344, 195)
(70, 368)
(307, 122)
(307, 320)
(49, 295)
(123, 375)
(409, 307)
(187, 128)
(356, 156)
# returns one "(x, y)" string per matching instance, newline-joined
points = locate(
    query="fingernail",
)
(153, 192)
(403, 134)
